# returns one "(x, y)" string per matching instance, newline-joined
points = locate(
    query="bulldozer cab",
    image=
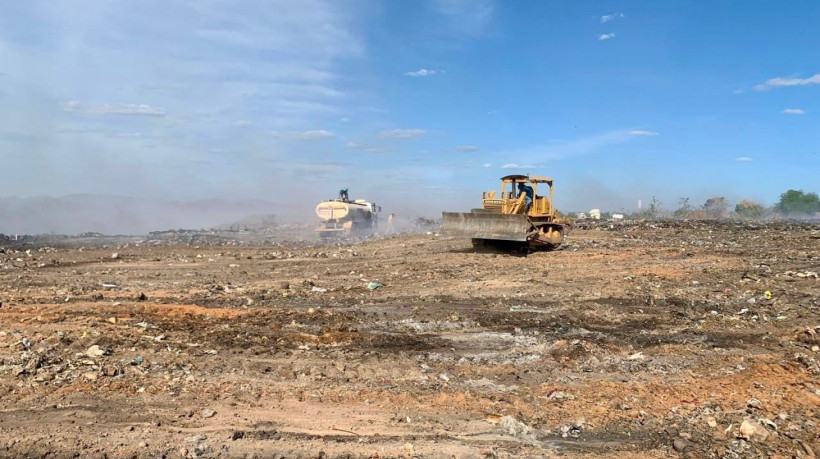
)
(511, 200)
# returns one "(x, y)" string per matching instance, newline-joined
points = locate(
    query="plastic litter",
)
(374, 285)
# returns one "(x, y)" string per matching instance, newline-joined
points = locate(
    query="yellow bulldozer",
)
(518, 216)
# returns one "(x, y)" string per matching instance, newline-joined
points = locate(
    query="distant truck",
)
(342, 217)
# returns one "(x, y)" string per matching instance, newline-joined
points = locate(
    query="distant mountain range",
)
(80, 213)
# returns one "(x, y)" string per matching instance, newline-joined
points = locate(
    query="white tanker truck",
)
(342, 217)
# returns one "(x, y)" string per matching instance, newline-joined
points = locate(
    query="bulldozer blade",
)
(494, 226)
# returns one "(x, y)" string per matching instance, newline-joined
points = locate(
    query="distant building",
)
(582, 216)
(617, 216)
(595, 214)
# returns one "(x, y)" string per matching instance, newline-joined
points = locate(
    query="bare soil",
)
(644, 340)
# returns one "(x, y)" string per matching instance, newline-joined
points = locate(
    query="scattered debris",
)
(374, 285)
(656, 327)
(751, 429)
(95, 351)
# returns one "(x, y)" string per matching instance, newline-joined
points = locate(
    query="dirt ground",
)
(642, 340)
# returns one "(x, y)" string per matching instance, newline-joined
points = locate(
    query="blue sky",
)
(419, 105)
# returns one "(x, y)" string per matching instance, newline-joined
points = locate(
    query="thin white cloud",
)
(606, 36)
(788, 81)
(303, 135)
(643, 133)
(466, 148)
(112, 109)
(738, 91)
(422, 73)
(127, 135)
(516, 166)
(611, 17)
(596, 143)
(70, 106)
(793, 111)
(402, 133)
(243, 123)
(468, 18)
(743, 159)
(368, 148)
(207, 81)
(486, 165)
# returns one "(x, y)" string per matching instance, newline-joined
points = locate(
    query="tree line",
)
(792, 204)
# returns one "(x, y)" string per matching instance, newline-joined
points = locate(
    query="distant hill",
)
(80, 213)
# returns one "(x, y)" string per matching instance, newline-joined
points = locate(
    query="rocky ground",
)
(646, 340)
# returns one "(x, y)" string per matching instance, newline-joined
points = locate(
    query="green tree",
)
(716, 207)
(653, 212)
(796, 202)
(684, 209)
(749, 210)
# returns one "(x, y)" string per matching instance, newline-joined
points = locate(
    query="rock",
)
(751, 430)
(237, 435)
(90, 376)
(681, 444)
(558, 395)
(95, 351)
(202, 450)
(137, 360)
(115, 256)
(208, 413)
(809, 362)
(33, 364)
(514, 427)
(284, 285)
(141, 297)
(110, 370)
